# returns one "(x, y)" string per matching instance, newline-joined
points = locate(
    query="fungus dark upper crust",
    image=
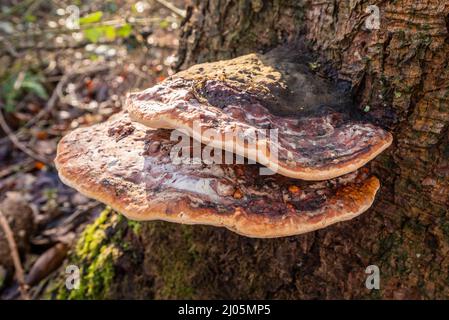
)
(128, 166)
(247, 93)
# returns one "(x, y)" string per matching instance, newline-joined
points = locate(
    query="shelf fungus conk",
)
(267, 109)
(129, 167)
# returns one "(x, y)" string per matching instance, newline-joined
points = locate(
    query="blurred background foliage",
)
(66, 64)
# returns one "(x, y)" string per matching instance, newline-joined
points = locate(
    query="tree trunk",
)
(400, 76)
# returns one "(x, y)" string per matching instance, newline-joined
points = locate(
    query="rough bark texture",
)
(400, 76)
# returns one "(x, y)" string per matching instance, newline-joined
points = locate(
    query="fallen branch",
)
(172, 7)
(10, 48)
(57, 92)
(141, 22)
(24, 166)
(19, 144)
(15, 256)
(79, 45)
(51, 103)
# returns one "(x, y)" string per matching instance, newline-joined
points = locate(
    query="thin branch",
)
(172, 7)
(24, 166)
(19, 144)
(9, 47)
(16, 8)
(79, 45)
(140, 22)
(58, 91)
(15, 256)
(56, 95)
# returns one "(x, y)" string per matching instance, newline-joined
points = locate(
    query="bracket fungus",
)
(129, 167)
(233, 106)
(238, 104)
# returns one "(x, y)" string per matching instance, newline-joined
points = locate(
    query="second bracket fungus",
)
(259, 108)
(266, 109)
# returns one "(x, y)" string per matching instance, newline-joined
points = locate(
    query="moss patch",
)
(173, 264)
(135, 226)
(95, 255)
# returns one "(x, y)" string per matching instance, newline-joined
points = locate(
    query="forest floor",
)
(58, 73)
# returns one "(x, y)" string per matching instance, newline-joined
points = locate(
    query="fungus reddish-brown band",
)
(225, 99)
(128, 166)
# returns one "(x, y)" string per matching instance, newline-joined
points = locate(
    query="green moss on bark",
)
(110, 257)
(95, 254)
(173, 267)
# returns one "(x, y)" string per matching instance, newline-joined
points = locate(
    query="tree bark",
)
(400, 76)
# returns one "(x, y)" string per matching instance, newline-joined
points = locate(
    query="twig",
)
(10, 48)
(79, 45)
(34, 4)
(141, 22)
(19, 134)
(173, 8)
(89, 206)
(58, 91)
(65, 226)
(24, 167)
(15, 256)
(50, 104)
(16, 8)
(19, 144)
(57, 94)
